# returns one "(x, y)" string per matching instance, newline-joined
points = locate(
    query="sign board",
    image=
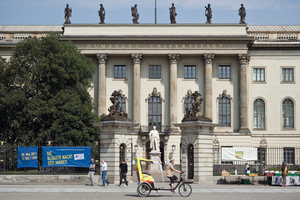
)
(66, 156)
(239, 154)
(27, 157)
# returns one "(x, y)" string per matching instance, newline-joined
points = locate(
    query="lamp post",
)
(263, 148)
(173, 147)
(49, 142)
(2, 154)
(136, 147)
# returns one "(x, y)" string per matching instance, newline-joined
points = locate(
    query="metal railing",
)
(9, 163)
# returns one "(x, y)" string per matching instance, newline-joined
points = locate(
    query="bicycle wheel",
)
(185, 190)
(143, 190)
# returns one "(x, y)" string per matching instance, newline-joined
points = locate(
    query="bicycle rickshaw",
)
(146, 182)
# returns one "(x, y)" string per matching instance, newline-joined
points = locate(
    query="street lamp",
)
(173, 147)
(136, 147)
(49, 142)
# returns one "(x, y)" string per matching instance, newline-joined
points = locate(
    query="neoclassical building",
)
(247, 76)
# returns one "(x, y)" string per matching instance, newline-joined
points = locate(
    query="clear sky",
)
(51, 12)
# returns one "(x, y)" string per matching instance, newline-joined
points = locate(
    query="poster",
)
(27, 157)
(66, 156)
(239, 154)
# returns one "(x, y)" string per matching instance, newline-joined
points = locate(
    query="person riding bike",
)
(170, 175)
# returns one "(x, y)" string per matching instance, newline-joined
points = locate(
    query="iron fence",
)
(269, 158)
(9, 163)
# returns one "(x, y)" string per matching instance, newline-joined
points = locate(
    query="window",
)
(224, 112)
(120, 72)
(224, 71)
(155, 72)
(122, 103)
(188, 104)
(154, 111)
(287, 74)
(288, 114)
(259, 75)
(289, 155)
(189, 71)
(259, 114)
(261, 155)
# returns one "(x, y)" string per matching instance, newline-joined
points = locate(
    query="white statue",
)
(154, 139)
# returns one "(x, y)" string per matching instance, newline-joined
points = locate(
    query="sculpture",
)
(194, 114)
(68, 14)
(208, 14)
(154, 139)
(101, 13)
(242, 13)
(135, 14)
(116, 112)
(173, 14)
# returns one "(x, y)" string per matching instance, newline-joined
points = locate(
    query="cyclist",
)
(170, 175)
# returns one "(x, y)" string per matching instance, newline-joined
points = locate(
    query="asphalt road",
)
(200, 192)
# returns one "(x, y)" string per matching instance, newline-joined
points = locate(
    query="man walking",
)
(91, 171)
(123, 167)
(104, 172)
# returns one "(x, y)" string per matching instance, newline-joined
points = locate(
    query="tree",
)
(44, 92)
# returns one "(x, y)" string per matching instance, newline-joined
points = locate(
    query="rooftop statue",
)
(68, 14)
(173, 14)
(194, 113)
(242, 13)
(116, 113)
(154, 139)
(135, 14)
(101, 13)
(208, 14)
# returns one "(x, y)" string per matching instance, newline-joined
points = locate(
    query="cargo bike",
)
(146, 182)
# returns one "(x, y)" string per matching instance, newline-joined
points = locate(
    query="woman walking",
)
(284, 171)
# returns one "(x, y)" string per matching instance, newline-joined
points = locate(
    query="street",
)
(76, 192)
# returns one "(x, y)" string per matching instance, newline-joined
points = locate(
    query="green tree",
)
(44, 91)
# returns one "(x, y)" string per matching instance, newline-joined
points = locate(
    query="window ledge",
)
(259, 129)
(154, 79)
(189, 79)
(224, 79)
(288, 129)
(287, 82)
(119, 79)
(259, 82)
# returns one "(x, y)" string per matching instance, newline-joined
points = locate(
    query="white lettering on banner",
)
(79, 156)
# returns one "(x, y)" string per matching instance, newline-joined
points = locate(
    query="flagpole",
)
(155, 11)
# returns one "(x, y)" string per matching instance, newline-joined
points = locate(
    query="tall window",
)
(287, 74)
(154, 111)
(289, 155)
(155, 72)
(189, 71)
(259, 75)
(288, 114)
(122, 103)
(224, 112)
(224, 72)
(120, 72)
(259, 114)
(188, 104)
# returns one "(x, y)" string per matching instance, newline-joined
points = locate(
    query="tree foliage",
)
(44, 91)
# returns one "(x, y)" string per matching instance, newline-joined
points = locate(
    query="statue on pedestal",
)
(68, 14)
(101, 13)
(154, 139)
(242, 13)
(208, 14)
(135, 14)
(173, 14)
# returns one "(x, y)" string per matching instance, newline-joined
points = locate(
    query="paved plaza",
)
(74, 192)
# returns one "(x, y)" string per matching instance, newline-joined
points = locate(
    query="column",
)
(244, 61)
(173, 60)
(136, 61)
(102, 60)
(208, 58)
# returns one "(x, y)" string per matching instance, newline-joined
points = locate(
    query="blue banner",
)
(28, 157)
(66, 157)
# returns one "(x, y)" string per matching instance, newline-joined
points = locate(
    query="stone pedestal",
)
(200, 135)
(156, 157)
(112, 135)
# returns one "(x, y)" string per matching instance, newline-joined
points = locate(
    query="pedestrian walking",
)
(124, 169)
(91, 171)
(104, 172)
(284, 172)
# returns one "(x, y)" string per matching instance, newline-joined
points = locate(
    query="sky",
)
(51, 12)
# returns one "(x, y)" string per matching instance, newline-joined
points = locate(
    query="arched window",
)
(154, 111)
(224, 112)
(188, 103)
(288, 114)
(122, 103)
(259, 114)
